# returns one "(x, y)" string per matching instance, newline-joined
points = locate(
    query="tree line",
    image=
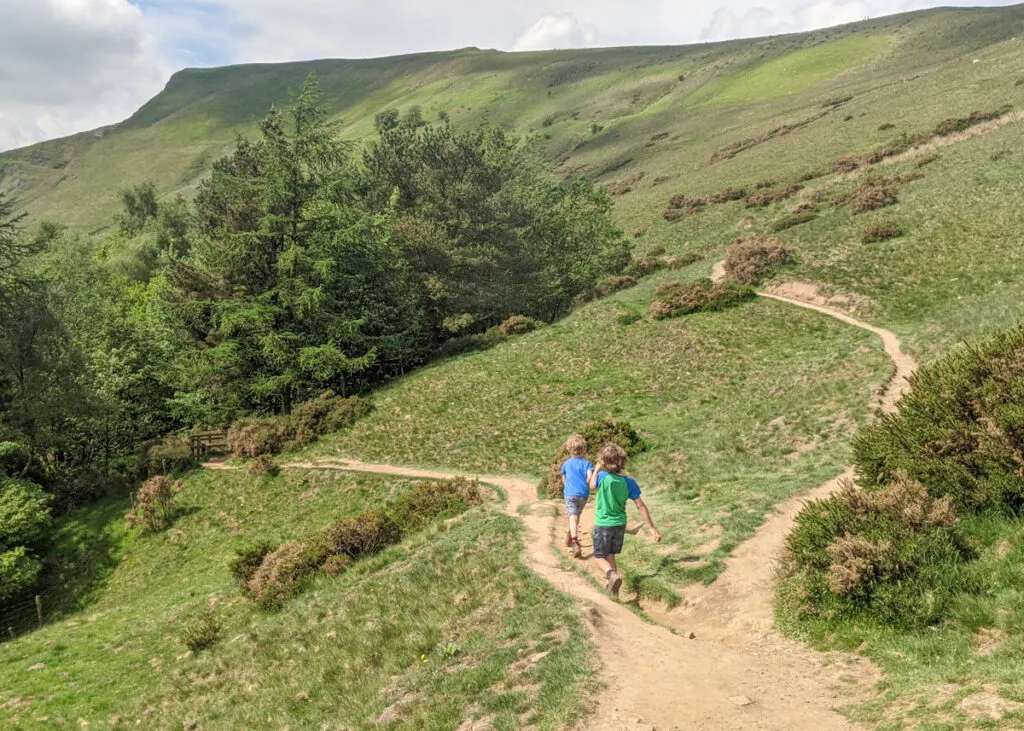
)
(304, 264)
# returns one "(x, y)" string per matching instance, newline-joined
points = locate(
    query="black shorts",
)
(608, 540)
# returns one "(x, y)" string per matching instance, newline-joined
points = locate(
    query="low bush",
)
(24, 512)
(674, 299)
(611, 285)
(201, 632)
(325, 415)
(262, 466)
(19, 570)
(336, 565)
(958, 124)
(687, 204)
(764, 197)
(433, 500)
(793, 219)
(890, 553)
(749, 259)
(727, 194)
(656, 251)
(153, 506)
(362, 535)
(886, 126)
(596, 434)
(483, 341)
(684, 260)
(644, 266)
(172, 454)
(882, 231)
(872, 194)
(626, 318)
(518, 325)
(281, 575)
(247, 560)
(638, 233)
(257, 437)
(763, 184)
(927, 160)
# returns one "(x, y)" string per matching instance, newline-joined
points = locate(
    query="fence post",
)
(10, 631)
(39, 610)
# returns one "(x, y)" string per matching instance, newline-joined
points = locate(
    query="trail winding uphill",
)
(716, 662)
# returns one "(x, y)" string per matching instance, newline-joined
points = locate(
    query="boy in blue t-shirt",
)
(575, 476)
(614, 489)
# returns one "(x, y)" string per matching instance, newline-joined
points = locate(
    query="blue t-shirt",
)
(575, 470)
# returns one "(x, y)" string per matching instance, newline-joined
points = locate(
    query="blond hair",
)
(576, 445)
(613, 456)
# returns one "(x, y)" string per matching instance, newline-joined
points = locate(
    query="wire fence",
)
(20, 617)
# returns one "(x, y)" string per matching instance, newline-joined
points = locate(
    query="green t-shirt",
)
(612, 493)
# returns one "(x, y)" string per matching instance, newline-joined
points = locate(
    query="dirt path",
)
(717, 662)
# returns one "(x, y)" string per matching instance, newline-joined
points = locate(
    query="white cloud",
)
(560, 30)
(69, 65)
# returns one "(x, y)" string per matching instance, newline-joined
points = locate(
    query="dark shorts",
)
(575, 505)
(608, 540)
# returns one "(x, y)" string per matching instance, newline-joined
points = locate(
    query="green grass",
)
(447, 626)
(742, 409)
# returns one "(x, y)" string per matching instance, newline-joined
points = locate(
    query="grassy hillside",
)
(742, 408)
(437, 630)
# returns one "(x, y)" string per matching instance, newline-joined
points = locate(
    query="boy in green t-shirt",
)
(613, 490)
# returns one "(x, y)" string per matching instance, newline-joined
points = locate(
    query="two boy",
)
(614, 489)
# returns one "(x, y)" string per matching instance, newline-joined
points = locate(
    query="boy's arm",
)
(592, 475)
(642, 507)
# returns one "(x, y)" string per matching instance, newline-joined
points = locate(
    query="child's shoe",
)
(577, 552)
(614, 582)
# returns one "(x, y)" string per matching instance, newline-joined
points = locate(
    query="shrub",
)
(927, 160)
(432, 500)
(749, 259)
(997, 156)
(257, 437)
(336, 565)
(262, 466)
(15, 459)
(638, 233)
(687, 204)
(18, 572)
(597, 434)
(960, 431)
(794, 219)
(518, 325)
(673, 299)
(886, 126)
(872, 194)
(611, 285)
(657, 251)
(727, 194)
(280, 575)
(362, 535)
(246, 562)
(763, 184)
(684, 260)
(487, 339)
(644, 266)
(24, 512)
(764, 197)
(153, 505)
(959, 124)
(324, 415)
(882, 231)
(202, 632)
(626, 318)
(890, 553)
(172, 454)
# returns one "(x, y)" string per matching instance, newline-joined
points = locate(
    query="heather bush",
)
(596, 434)
(611, 285)
(478, 341)
(687, 204)
(362, 535)
(927, 160)
(960, 431)
(763, 197)
(794, 219)
(882, 231)
(201, 632)
(657, 251)
(959, 124)
(246, 562)
(171, 454)
(153, 505)
(432, 500)
(762, 184)
(886, 126)
(336, 565)
(519, 325)
(262, 466)
(644, 266)
(749, 259)
(324, 415)
(257, 437)
(727, 194)
(674, 299)
(281, 575)
(872, 194)
(684, 260)
(890, 553)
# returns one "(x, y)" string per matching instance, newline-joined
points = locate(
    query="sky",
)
(68, 66)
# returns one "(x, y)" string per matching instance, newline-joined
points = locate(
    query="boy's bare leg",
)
(574, 526)
(606, 564)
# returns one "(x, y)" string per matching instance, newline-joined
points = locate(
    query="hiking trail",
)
(716, 662)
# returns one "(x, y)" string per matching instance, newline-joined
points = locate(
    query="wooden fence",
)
(203, 444)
